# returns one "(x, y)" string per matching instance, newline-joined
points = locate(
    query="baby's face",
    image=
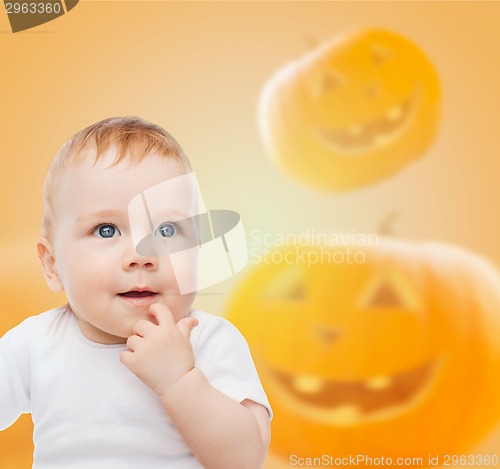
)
(108, 284)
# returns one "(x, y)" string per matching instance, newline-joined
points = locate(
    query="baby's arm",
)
(221, 432)
(14, 377)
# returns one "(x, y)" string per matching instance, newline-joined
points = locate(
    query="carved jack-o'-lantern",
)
(395, 354)
(352, 112)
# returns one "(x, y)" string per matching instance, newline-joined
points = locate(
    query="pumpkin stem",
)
(385, 228)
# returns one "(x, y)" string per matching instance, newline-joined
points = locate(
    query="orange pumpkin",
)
(352, 112)
(394, 353)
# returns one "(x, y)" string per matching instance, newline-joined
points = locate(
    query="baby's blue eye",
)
(106, 231)
(167, 230)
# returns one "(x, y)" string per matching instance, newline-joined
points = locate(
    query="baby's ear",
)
(46, 256)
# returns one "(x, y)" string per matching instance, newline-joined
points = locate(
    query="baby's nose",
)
(133, 260)
(146, 262)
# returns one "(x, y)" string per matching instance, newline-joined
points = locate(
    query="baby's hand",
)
(160, 354)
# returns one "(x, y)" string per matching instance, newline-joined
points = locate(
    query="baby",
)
(127, 374)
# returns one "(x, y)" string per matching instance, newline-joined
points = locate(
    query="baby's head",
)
(87, 247)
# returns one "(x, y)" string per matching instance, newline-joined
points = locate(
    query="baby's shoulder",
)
(208, 322)
(41, 324)
(213, 328)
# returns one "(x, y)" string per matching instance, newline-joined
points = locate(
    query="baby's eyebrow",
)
(100, 214)
(167, 213)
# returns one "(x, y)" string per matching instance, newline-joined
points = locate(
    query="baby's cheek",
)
(180, 305)
(85, 278)
(183, 268)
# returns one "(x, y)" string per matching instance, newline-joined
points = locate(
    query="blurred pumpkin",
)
(352, 112)
(390, 350)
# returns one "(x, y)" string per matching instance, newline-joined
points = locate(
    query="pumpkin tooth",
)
(345, 414)
(395, 113)
(308, 384)
(379, 382)
(382, 140)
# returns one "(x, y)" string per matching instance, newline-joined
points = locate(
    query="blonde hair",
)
(132, 138)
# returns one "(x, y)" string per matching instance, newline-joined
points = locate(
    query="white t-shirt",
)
(89, 410)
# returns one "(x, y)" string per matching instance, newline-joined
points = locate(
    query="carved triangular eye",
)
(391, 289)
(380, 54)
(287, 286)
(332, 80)
(386, 296)
(324, 80)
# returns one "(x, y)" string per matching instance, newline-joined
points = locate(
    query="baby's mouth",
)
(137, 294)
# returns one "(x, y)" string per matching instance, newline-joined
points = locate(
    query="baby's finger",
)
(162, 313)
(186, 325)
(126, 357)
(133, 342)
(142, 327)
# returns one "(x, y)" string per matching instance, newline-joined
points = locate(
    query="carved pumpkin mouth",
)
(354, 402)
(377, 133)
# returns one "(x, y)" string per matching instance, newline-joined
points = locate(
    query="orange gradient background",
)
(197, 69)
